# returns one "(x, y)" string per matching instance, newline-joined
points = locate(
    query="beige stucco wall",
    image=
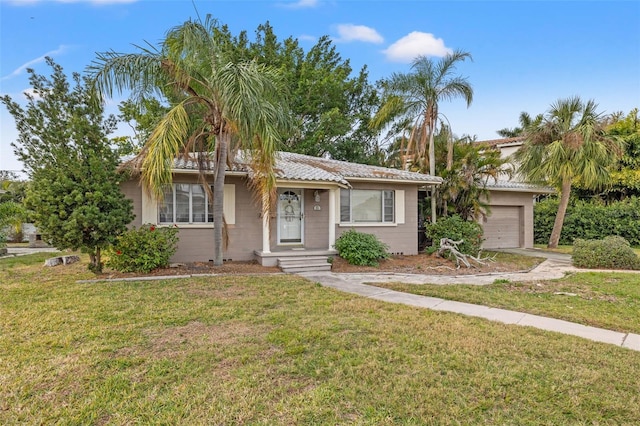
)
(196, 241)
(132, 190)
(401, 238)
(245, 235)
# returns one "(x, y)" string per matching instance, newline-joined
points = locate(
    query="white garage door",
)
(504, 228)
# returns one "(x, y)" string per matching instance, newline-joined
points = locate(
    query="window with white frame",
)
(185, 203)
(367, 206)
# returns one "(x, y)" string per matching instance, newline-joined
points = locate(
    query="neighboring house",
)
(510, 223)
(318, 200)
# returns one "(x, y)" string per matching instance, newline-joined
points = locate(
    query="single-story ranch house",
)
(318, 200)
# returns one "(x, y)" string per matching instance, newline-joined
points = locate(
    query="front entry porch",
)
(300, 231)
(297, 260)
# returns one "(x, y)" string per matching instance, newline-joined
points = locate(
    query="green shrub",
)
(359, 248)
(456, 228)
(143, 249)
(613, 252)
(589, 220)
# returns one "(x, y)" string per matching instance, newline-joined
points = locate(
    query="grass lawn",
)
(282, 350)
(606, 300)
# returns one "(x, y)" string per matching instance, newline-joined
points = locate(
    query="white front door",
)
(290, 216)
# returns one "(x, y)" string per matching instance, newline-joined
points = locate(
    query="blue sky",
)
(526, 54)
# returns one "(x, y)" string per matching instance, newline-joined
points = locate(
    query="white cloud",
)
(350, 32)
(61, 49)
(307, 37)
(299, 4)
(30, 92)
(416, 44)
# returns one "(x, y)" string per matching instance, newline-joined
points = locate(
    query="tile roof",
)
(299, 167)
(503, 141)
(513, 185)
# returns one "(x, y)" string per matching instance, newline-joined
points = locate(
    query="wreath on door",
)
(289, 213)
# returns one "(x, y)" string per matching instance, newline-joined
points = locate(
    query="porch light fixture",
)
(316, 196)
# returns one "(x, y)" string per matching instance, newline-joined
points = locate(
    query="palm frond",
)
(164, 145)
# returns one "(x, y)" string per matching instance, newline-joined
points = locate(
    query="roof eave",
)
(392, 180)
(529, 190)
(317, 184)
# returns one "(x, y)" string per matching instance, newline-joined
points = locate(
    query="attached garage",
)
(510, 222)
(504, 228)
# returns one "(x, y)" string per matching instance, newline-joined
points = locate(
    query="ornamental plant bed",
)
(431, 264)
(415, 264)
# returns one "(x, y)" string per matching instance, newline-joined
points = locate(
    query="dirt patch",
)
(194, 268)
(417, 264)
(434, 265)
(174, 342)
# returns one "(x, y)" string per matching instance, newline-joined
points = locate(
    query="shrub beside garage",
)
(589, 220)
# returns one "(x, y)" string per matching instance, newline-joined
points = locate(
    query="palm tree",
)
(568, 145)
(415, 97)
(470, 169)
(217, 107)
(525, 121)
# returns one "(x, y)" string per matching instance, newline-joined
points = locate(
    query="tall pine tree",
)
(64, 147)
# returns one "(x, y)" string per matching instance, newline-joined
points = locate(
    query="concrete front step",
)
(304, 264)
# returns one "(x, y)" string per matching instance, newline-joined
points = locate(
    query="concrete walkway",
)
(555, 266)
(22, 251)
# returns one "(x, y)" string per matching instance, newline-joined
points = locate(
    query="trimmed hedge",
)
(589, 220)
(612, 252)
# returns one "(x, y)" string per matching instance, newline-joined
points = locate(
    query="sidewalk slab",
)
(632, 342)
(566, 327)
(407, 299)
(492, 314)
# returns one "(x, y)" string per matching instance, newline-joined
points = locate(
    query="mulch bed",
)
(418, 264)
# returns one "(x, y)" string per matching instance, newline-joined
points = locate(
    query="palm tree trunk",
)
(565, 192)
(445, 206)
(218, 197)
(449, 153)
(432, 169)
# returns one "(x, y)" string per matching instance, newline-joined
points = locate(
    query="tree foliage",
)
(11, 215)
(472, 167)
(62, 142)
(625, 175)
(589, 219)
(569, 145)
(413, 100)
(142, 118)
(331, 107)
(220, 103)
(525, 121)
(457, 229)
(464, 190)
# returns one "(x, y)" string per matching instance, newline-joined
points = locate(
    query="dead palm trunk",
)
(565, 192)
